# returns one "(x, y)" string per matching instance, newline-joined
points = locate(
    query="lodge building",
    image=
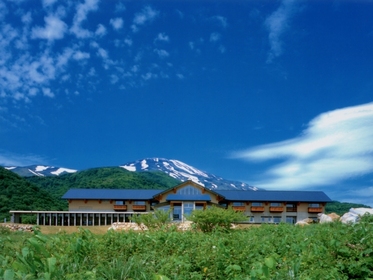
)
(105, 206)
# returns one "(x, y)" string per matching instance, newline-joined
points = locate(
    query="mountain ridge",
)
(172, 167)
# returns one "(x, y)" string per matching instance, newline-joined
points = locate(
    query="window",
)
(188, 208)
(291, 219)
(238, 204)
(164, 208)
(257, 204)
(199, 206)
(277, 219)
(251, 219)
(291, 207)
(266, 219)
(315, 205)
(139, 202)
(276, 204)
(119, 202)
(189, 190)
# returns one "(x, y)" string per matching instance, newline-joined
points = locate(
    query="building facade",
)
(105, 206)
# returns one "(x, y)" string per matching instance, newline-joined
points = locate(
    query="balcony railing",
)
(276, 209)
(257, 208)
(314, 209)
(239, 208)
(138, 207)
(120, 207)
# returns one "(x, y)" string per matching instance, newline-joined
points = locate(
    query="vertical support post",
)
(37, 218)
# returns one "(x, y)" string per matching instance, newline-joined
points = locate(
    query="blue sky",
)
(274, 93)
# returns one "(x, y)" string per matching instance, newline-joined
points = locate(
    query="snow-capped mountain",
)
(39, 170)
(183, 172)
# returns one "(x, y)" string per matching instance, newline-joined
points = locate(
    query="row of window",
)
(236, 203)
(274, 204)
(122, 202)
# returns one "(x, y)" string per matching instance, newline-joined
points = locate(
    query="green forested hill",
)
(44, 193)
(104, 178)
(16, 193)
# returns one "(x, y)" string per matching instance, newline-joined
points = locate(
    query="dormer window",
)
(189, 190)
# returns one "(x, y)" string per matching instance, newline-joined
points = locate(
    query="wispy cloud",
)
(116, 23)
(277, 23)
(222, 21)
(82, 11)
(11, 159)
(54, 29)
(148, 14)
(162, 53)
(336, 145)
(214, 37)
(162, 37)
(101, 30)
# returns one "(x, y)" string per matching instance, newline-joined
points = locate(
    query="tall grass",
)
(320, 251)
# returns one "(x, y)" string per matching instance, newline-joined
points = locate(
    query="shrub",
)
(215, 218)
(155, 220)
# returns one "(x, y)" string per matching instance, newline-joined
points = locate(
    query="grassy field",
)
(318, 251)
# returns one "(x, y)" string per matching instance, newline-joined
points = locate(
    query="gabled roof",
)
(110, 194)
(288, 196)
(187, 183)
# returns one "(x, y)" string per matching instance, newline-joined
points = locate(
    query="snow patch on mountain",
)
(183, 172)
(40, 170)
(10, 167)
(62, 170)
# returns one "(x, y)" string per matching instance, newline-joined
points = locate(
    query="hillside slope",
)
(16, 193)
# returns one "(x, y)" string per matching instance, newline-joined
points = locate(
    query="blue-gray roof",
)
(183, 197)
(119, 194)
(130, 194)
(287, 196)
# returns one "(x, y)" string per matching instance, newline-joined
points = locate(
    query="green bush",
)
(153, 221)
(214, 218)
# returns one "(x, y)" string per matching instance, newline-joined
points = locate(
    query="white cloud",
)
(128, 41)
(337, 145)
(47, 3)
(277, 23)
(221, 20)
(78, 55)
(148, 14)
(162, 37)
(149, 76)
(120, 7)
(47, 92)
(215, 37)
(82, 11)
(101, 30)
(116, 23)
(54, 29)
(162, 53)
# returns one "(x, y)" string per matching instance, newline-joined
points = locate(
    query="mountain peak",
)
(39, 170)
(183, 172)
